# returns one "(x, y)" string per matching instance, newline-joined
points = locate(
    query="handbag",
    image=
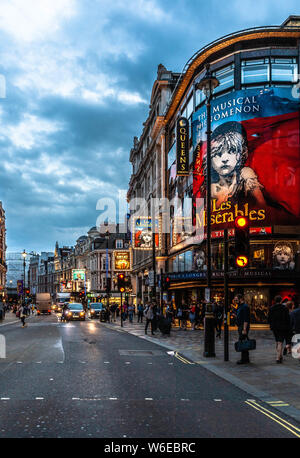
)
(245, 345)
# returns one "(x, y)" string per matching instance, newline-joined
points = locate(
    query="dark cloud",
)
(63, 151)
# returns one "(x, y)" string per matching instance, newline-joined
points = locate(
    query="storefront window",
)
(255, 71)
(284, 70)
(188, 261)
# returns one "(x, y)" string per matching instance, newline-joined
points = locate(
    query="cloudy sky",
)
(78, 77)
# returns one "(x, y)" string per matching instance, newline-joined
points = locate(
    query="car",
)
(95, 309)
(75, 311)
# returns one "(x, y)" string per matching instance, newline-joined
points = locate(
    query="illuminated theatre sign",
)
(122, 260)
(255, 158)
(142, 233)
(182, 147)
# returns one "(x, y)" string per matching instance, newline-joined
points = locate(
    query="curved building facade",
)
(255, 167)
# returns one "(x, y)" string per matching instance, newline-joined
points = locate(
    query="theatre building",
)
(255, 167)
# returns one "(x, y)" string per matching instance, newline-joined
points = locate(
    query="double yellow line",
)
(285, 424)
(182, 359)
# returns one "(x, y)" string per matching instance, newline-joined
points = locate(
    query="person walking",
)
(169, 312)
(192, 316)
(140, 313)
(179, 315)
(279, 320)
(288, 344)
(295, 319)
(23, 314)
(185, 316)
(130, 312)
(148, 313)
(243, 324)
(219, 316)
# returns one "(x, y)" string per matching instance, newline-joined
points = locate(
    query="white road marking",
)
(38, 362)
(19, 362)
(184, 399)
(39, 399)
(148, 399)
(75, 399)
(5, 399)
(128, 362)
(218, 400)
(106, 362)
(113, 399)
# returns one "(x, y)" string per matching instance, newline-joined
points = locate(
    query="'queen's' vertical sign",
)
(182, 146)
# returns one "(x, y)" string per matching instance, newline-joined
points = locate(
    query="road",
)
(82, 379)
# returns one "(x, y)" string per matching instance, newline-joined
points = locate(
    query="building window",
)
(119, 244)
(255, 71)
(284, 70)
(225, 77)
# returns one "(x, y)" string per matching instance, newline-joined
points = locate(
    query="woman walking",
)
(23, 314)
(279, 319)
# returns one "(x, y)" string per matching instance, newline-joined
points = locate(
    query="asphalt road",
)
(84, 380)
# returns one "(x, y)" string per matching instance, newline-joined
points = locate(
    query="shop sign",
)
(182, 147)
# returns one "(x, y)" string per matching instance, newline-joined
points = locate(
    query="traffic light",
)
(165, 282)
(241, 241)
(121, 283)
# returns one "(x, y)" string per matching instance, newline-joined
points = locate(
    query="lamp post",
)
(207, 84)
(107, 234)
(24, 254)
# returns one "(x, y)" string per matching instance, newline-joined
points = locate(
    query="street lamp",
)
(107, 234)
(207, 85)
(24, 254)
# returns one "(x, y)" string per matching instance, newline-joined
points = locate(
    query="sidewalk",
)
(11, 318)
(262, 378)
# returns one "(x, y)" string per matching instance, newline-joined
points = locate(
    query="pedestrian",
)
(2, 311)
(219, 316)
(23, 314)
(113, 309)
(169, 312)
(140, 313)
(243, 324)
(295, 319)
(288, 344)
(148, 314)
(280, 324)
(179, 315)
(130, 312)
(192, 316)
(185, 316)
(124, 311)
(197, 316)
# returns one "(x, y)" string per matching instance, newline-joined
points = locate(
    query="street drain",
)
(140, 352)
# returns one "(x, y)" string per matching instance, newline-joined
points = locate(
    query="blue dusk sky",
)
(78, 76)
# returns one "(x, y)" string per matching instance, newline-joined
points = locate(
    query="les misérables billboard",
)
(255, 158)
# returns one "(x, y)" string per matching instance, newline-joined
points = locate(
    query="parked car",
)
(75, 312)
(95, 309)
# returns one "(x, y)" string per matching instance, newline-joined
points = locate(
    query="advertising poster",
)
(255, 162)
(142, 233)
(122, 261)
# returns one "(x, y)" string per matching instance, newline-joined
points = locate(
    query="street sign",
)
(151, 277)
(207, 294)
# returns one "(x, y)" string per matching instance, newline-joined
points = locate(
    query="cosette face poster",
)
(255, 158)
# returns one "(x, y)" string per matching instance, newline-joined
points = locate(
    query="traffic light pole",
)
(226, 297)
(209, 324)
(121, 309)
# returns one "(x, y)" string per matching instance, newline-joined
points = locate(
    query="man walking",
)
(149, 315)
(243, 324)
(140, 313)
